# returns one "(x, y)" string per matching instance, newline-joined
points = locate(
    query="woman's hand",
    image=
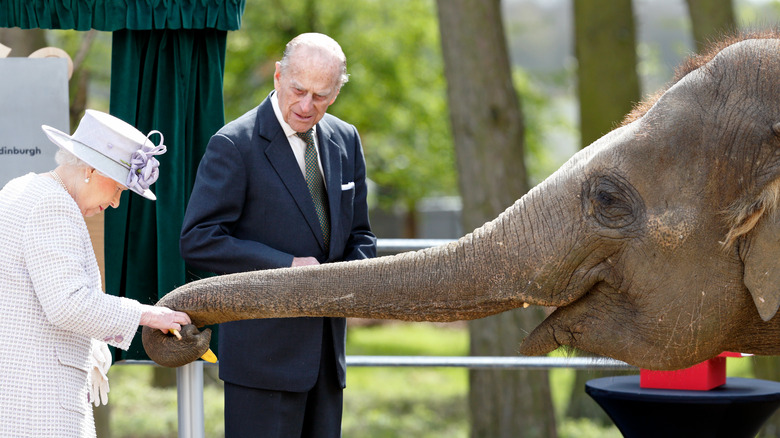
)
(164, 318)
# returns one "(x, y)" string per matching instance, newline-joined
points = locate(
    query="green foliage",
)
(426, 402)
(396, 96)
(139, 410)
(394, 339)
(91, 55)
(373, 414)
(585, 428)
(405, 119)
(543, 114)
(739, 367)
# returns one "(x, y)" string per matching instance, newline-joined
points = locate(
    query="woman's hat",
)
(114, 148)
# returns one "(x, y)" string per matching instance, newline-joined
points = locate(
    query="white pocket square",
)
(347, 186)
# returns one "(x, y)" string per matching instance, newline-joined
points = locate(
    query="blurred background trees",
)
(476, 99)
(488, 130)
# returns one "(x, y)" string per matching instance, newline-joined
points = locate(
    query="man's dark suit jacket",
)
(250, 209)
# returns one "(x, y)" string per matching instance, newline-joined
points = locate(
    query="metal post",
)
(189, 391)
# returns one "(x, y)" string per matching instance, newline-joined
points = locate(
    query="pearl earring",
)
(86, 180)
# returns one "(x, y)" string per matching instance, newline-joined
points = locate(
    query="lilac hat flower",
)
(114, 148)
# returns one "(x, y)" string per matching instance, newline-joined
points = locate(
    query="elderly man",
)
(282, 186)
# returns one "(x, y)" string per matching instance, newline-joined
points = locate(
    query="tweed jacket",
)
(51, 306)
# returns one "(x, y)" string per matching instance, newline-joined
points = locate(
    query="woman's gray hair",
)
(65, 158)
(319, 41)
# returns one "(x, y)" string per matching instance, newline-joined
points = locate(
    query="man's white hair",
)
(320, 42)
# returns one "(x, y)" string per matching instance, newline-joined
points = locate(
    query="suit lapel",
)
(283, 161)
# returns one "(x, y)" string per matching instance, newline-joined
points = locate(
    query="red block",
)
(701, 377)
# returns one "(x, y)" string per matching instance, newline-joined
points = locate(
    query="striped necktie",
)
(316, 184)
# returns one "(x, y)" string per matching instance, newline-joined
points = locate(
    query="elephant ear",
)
(762, 266)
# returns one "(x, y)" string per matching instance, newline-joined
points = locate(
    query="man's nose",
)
(306, 103)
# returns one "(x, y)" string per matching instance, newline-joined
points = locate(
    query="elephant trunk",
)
(483, 273)
(434, 284)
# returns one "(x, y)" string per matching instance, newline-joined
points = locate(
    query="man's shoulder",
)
(333, 120)
(251, 122)
(244, 124)
(336, 125)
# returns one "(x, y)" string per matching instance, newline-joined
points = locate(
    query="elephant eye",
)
(611, 201)
(606, 199)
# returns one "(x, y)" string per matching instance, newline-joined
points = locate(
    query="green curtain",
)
(111, 15)
(171, 81)
(167, 65)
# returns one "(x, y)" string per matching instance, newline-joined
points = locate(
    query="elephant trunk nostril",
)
(168, 351)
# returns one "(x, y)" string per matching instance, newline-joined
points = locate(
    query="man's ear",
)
(338, 90)
(762, 265)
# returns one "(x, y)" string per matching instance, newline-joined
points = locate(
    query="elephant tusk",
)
(526, 305)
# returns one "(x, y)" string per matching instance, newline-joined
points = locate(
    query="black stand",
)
(737, 409)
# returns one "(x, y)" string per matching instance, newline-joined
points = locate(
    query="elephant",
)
(657, 245)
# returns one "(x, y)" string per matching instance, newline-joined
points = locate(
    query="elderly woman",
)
(55, 319)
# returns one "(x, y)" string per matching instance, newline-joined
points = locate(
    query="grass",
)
(379, 402)
(388, 402)
(140, 410)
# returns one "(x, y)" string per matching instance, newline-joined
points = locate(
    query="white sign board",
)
(33, 92)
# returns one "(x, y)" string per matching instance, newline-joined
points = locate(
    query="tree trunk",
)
(580, 404)
(508, 403)
(22, 41)
(608, 87)
(710, 19)
(605, 46)
(79, 82)
(488, 130)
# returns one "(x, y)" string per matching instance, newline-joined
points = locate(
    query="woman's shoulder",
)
(31, 190)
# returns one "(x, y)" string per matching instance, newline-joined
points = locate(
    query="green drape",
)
(167, 65)
(171, 81)
(111, 15)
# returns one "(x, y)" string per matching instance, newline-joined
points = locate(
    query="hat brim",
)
(100, 162)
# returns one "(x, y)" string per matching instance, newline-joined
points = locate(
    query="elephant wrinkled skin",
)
(658, 244)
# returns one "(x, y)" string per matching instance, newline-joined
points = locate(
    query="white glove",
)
(98, 378)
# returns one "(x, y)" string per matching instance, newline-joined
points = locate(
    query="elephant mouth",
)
(568, 322)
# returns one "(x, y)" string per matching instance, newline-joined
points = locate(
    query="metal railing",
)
(481, 362)
(189, 378)
(390, 246)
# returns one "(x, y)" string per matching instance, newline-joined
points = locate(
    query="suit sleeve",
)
(214, 209)
(362, 242)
